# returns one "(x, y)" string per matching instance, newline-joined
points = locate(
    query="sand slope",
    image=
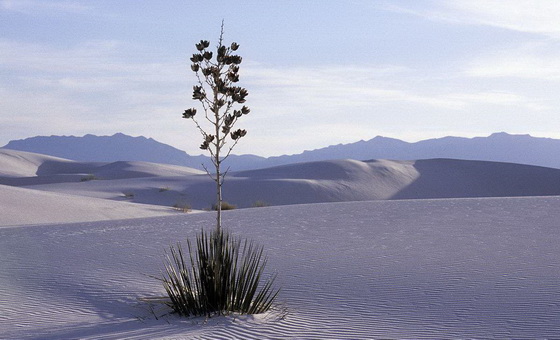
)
(452, 178)
(26, 164)
(416, 268)
(325, 181)
(454, 268)
(24, 206)
(21, 171)
(19, 168)
(313, 182)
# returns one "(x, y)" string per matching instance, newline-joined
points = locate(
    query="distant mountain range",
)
(500, 147)
(121, 147)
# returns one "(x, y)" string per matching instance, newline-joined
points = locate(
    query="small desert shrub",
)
(260, 204)
(89, 177)
(221, 275)
(225, 206)
(128, 194)
(184, 207)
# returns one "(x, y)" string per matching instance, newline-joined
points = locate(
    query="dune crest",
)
(341, 180)
(21, 206)
(24, 164)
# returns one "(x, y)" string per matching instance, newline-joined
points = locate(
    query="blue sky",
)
(318, 72)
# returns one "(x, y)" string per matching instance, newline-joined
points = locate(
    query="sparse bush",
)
(260, 204)
(225, 206)
(128, 194)
(89, 177)
(220, 276)
(184, 207)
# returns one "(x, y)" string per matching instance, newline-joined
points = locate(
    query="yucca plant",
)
(221, 275)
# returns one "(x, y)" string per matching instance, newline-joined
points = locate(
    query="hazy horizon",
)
(318, 73)
(202, 153)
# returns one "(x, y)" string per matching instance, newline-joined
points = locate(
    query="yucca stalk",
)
(217, 92)
(222, 275)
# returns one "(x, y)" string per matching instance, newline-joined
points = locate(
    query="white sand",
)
(315, 182)
(23, 164)
(453, 268)
(448, 268)
(21, 206)
(56, 181)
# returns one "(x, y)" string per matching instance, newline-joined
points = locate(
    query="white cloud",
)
(92, 87)
(532, 57)
(319, 106)
(89, 56)
(517, 63)
(43, 7)
(353, 86)
(531, 16)
(102, 87)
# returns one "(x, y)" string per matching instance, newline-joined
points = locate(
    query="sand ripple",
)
(465, 268)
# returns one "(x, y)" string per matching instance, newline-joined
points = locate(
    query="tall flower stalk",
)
(221, 273)
(221, 100)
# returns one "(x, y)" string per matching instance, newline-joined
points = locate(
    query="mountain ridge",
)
(499, 147)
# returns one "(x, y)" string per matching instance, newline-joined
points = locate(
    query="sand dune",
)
(438, 269)
(117, 170)
(350, 180)
(314, 182)
(452, 178)
(323, 181)
(31, 168)
(22, 206)
(415, 268)
(25, 164)
(328, 181)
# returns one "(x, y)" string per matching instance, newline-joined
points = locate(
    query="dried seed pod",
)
(189, 113)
